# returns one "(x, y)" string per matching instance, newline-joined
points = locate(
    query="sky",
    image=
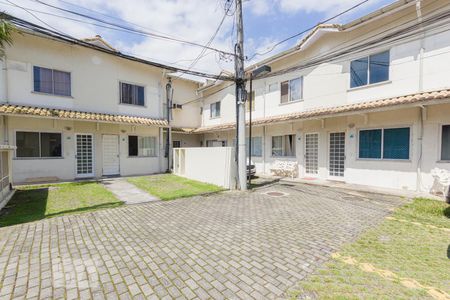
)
(265, 23)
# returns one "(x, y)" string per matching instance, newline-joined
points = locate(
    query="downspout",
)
(423, 111)
(6, 100)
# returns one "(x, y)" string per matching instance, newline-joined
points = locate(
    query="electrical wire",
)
(197, 59)
(154, 35)
(33, 15)
(306, 30)
(332, 55)
(46, 32)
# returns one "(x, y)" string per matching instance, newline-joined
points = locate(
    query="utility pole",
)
(169, 94)
(240, 99)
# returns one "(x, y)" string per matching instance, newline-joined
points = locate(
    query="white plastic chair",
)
(441, 181)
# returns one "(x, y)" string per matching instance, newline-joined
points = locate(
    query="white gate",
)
(337, 154)
(312, 153)
(85, 155)
(111, 163)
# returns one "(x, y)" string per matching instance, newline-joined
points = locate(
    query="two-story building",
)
(81, 109)
(365, 102)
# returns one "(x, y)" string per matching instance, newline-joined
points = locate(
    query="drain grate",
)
(275, 194)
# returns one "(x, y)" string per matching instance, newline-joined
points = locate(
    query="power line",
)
(39, 30)
(33, 15)
(102, 26)
(158, 36)
(306, 30)
(332, 55)
(196, 60)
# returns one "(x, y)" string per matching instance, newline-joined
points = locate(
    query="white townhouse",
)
(366, 102)
(81, 109)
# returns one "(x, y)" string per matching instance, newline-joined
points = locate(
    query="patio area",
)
(259, 244)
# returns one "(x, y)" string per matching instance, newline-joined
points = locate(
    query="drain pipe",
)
(423, 110)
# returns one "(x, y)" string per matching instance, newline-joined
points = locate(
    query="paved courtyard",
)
(230, 245)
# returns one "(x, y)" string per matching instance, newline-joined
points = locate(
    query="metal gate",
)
(312, 153)
(84, 156)
(337, 154)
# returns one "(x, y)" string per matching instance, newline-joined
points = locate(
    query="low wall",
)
(212, 165)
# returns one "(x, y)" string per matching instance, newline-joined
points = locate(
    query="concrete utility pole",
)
(169, 94)
(240, 99)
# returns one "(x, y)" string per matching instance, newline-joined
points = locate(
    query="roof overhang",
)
(412, 100)
(62, 114)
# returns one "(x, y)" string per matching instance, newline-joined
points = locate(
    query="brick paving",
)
(224, 246)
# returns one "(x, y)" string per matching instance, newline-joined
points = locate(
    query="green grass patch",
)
(408, 250)
(169, 186)
(32, 203)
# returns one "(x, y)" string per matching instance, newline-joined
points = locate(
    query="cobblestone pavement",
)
(230, 245)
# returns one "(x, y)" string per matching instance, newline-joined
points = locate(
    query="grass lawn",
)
(31, 203)
(409, 250)
(169, 186)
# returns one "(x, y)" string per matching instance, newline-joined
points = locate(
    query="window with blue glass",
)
(396, 143)
(370, 69)
(389, 143)
(370, 143)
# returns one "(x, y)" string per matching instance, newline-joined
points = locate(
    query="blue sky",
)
(266, 22)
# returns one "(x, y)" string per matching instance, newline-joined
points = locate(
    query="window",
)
(141, 145)
(38, 144)
(176, 144)
(273, 87)
(215, 110)
(132, 94)
(252, 99)
(391, 143)
(283, 145)
(216, 143)
(256, 146)
(51, 81)
(292, 90)
(369, 70)
(445, 143)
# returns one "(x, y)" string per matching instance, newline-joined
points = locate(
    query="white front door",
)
(84, 157)
(111, 164)
(312, 154)
(337, 155)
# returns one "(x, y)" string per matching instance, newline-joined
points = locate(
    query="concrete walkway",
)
(127, 192)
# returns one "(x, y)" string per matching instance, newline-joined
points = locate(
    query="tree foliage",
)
(5, 33)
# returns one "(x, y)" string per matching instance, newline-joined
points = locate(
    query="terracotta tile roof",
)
(418, 98)
(183, 130)
(10, 109)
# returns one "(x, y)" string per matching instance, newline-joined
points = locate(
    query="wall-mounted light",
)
(68, 128)
(123, 131)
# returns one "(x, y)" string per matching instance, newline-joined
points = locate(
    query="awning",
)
(19, 110)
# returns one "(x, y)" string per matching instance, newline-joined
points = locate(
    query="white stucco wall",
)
(64, 168)
(398, 174)
(328, 84)
(211, 165)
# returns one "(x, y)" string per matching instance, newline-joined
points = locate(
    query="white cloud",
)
(260, 7)
(193, 20)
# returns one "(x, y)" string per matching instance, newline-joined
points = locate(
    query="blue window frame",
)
(396, 143)
(370, 143)
(370, 69)
(390, 143)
